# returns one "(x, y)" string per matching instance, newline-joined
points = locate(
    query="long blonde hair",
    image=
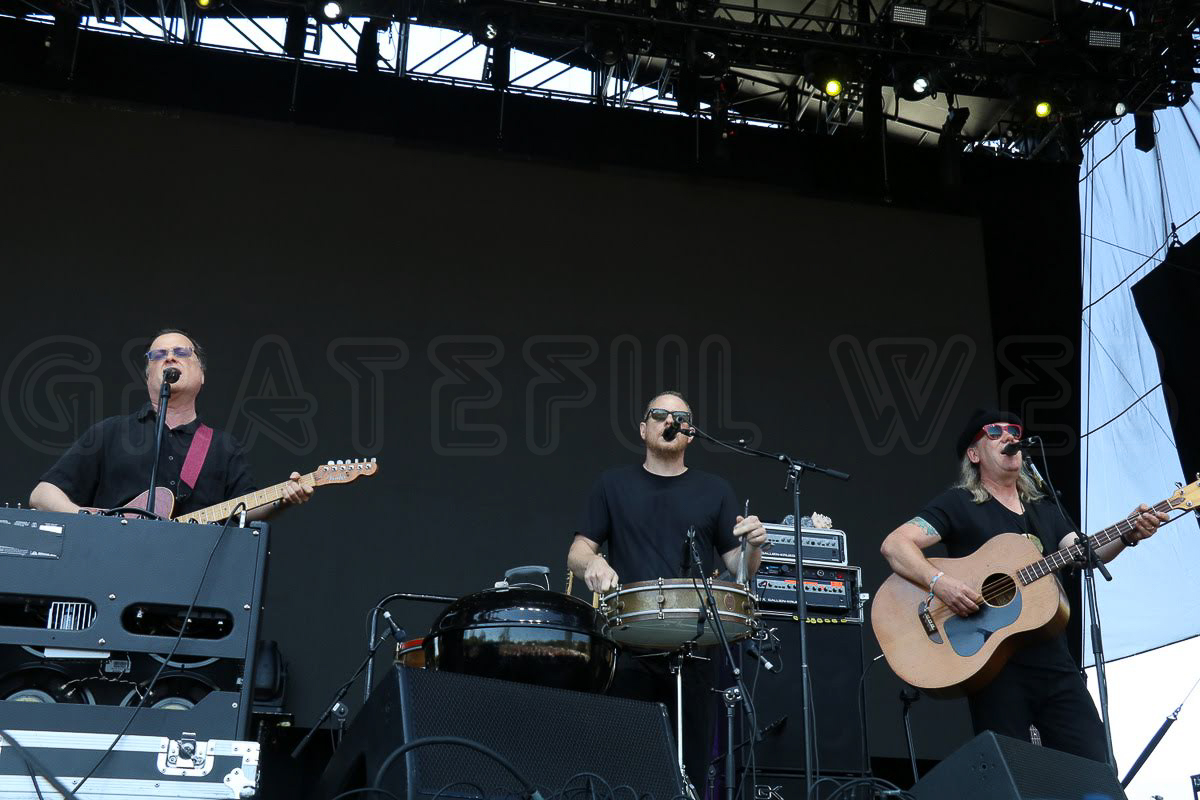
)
(968, 478)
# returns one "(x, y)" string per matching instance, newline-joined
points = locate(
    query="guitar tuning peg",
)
(372, 460)
(330, 462)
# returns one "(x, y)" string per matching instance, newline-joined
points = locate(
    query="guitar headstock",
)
(1186, 497)
(344, 471)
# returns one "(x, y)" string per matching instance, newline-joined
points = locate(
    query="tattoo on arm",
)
(925, 526)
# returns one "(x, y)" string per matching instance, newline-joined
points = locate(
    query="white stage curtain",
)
(1133, 204)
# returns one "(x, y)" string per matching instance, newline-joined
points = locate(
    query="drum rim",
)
(672, 612)
(730, 587)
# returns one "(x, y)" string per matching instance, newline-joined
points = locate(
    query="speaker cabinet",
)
(553, 737)
(991, 767)
(91, 607)
(835, 665)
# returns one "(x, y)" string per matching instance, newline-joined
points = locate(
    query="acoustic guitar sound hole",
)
(999, 590)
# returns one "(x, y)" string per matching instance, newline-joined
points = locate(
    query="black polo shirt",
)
(110, 464)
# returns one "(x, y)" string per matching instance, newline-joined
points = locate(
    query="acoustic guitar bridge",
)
(927, 622)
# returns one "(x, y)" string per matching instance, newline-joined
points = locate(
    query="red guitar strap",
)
(196, 454)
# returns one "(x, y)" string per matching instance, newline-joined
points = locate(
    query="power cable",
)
(34, 765)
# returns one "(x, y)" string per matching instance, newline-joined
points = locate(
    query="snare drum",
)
(665, 614)
(411, 653)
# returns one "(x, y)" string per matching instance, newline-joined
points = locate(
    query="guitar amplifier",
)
(139, 766)
(818, 544)
(828, 590)
(91, 607)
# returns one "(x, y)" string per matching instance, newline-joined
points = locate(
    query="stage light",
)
(828, 72)
(492, 30)
(204, 5)
(1120, 109)
(604, 43)
(1043, 109)
(332, 10)
(917, 16)
(913, 81)
(1104, 39)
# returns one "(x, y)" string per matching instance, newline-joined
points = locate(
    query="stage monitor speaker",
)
(835, 663)
(553, 737)
(991, 767)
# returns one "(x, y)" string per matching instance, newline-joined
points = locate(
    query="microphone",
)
(671, 431)
(1024, 444)
(756, 651)
(397, 632)
(171, 374)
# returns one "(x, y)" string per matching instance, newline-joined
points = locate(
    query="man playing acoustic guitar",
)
(110, 464)
(1041, 684)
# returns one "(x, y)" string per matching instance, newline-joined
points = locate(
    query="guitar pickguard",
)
(967, 635)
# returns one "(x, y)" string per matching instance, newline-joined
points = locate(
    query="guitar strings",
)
(995, 592)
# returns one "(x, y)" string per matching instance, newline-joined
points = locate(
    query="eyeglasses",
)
(994, 430)
(178, 352)
(661, 414)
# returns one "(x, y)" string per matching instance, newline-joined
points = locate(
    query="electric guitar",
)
(929, 646)
(327, 474)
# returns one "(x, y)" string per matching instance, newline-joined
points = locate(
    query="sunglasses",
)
(661, 414)
(178, 352)
(994, 430)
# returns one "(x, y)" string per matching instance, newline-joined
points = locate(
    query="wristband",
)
(934, 580)
(1129, 542)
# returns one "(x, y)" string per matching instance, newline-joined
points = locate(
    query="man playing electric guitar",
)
(1041, 684)
(110, 464)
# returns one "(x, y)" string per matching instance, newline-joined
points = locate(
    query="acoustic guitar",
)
(929, 646)
(327, 474)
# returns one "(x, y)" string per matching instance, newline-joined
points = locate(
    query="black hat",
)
(979, 418)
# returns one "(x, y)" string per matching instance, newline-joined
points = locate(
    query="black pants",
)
(650, 678)
(1057, 703)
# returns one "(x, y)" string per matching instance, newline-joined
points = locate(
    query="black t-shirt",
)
(965, 526)
(644, 520)
(110, 464)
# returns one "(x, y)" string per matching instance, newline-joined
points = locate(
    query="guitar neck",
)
(1074, 554)
(263, 497)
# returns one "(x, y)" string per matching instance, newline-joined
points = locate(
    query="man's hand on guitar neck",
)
(294, 493)
(958, 596)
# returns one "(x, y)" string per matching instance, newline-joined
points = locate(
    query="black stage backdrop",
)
(489, 329)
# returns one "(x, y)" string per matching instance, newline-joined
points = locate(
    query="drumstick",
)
(741, 571)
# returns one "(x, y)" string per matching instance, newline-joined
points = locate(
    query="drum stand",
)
(676, 667)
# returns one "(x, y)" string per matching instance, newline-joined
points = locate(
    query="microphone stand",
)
(337, 707)
(373, 627)
(1090, 563)
(164, 395)
(795, 470)
(736, 693)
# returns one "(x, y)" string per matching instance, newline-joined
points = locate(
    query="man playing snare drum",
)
(643, 513)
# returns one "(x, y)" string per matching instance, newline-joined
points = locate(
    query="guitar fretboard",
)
(1074, 554)
(220, 512)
